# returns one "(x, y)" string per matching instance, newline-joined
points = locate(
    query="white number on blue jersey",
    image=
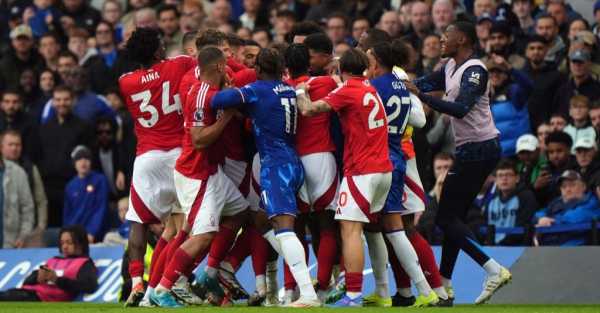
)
(398, 102)
(373, 122)
(291, 115)
(145, 106)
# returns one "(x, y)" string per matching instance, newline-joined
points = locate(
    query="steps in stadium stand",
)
(554, 275)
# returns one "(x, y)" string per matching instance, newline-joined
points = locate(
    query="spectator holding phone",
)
(558, 145)
(63, 277)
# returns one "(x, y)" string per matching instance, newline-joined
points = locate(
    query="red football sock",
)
(178, 265)
(260, 251)
(136, 268)
(177, 241)
(426, 259)
(326, 257)
(197, 262)
(220, 245)
(241, 249)
(158, 249)
(400, 276)
(159, 268)
(354, 282)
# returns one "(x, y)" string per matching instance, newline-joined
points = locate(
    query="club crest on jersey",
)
(198, 116)
(475, 78)
(150, 77)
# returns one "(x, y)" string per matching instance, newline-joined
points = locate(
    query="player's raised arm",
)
(203, 137)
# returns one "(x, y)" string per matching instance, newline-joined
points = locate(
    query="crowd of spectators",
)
(68, 142)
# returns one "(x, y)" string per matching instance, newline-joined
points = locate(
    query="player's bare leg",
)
(327, 250)
(353, 258)
(294, 255)
(404, 251)
(136, 249)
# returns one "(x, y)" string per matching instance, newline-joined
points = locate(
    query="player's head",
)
(145, 46)
(188, 43)
(211, 61)
(383, 56)
(297, 59)
(457, 36)
(320, 49)
(269, 64)
(213, 37)
(371, 37)
(353, 63)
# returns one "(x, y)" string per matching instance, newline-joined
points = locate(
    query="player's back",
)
(274, 115)
(396, 101)
(152, 98)
(313, 133)
(364, 126)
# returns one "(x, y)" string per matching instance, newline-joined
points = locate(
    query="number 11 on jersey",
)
(291, 114)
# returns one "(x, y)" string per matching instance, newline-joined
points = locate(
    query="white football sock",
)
(136, 280)
(261, 284)
(379, 256)
(227, 266)
(271, 238)
(294, 255)
(447, 283)
(149, 290)
(441, 292)
(407, 256)
(492, 267)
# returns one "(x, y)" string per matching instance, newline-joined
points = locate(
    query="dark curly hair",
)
(143, 45)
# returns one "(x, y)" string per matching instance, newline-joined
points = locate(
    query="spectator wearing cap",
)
(511, 205)
(547, 27)
(58, 137)
(21, 57)
(575, 205)
(586, 154)
(579, 107)
(587, 41)
(560, 159)
(86, 196)
(500, 42)
(510, 90)
(580, 82)
(530, 160)
(18, 213)
(546, 81)
(483, 26)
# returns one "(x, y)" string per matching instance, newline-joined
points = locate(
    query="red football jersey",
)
(187, 81)
(152, 97)
(364, 125)
(312, 134)
(199, 163)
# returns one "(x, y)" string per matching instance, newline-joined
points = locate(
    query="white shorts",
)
(152, 194)
(254, 192)
(362, 196)
(321, 181)
(414, 199)
(205, 201)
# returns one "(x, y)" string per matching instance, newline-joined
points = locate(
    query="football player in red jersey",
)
(211, 201)
(315, 148)
(367, 166)
(151, 95)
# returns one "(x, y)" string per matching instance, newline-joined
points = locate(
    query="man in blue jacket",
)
(86, 196)
(575, 205)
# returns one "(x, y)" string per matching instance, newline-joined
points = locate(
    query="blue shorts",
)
(280, 185)
(393, 203)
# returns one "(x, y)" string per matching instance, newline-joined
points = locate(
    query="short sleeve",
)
(199, 110)
(337, 99)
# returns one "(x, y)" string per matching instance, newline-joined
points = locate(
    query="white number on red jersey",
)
(373, 122)
(146, 107)
(398, 102)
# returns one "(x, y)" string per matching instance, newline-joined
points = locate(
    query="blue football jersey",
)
(396, 100)
(272, 107)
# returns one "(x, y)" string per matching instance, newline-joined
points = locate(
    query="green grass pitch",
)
(9, 307)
